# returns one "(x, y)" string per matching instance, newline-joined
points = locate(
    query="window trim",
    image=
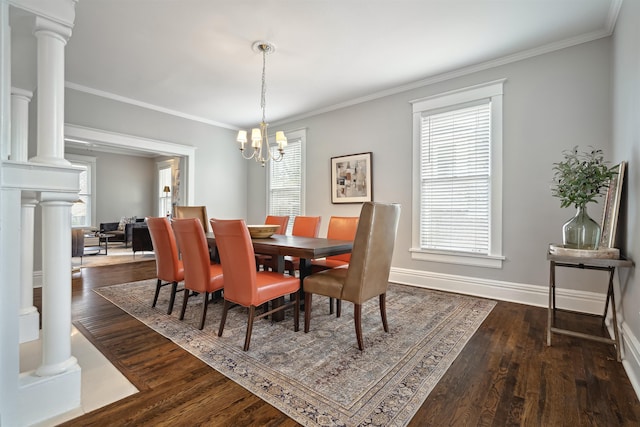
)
(162, 165)
(494, 91)
(91, 162)
(298, 134)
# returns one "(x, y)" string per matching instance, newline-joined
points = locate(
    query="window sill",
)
(488, 261)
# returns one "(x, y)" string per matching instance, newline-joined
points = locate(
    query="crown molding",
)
(124, 99)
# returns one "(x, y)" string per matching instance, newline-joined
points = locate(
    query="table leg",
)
(609, 294)
(616, 335)
(278, 316)
(552, 299)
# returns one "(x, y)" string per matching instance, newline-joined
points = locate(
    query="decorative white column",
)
(5, 82)
(51, 40)
(56, 284)
(20, 124)
(29, 316)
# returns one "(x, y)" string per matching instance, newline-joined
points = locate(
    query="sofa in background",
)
(124, 235)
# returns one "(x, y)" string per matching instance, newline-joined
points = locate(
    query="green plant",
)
(581, 177)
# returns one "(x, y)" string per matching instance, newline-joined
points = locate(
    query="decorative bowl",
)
(262, 231)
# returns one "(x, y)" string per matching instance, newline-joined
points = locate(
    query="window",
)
(286, 180)
(458, 177)
(82, 211)
(164, 182)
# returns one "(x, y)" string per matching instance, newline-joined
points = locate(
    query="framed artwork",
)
(351, 178)
(611, 209)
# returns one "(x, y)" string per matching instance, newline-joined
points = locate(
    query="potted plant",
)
(581, 178)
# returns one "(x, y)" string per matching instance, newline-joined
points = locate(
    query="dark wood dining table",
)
(306, 248)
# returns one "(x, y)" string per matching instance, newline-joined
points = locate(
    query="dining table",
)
(305, 248)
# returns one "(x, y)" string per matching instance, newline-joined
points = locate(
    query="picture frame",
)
(612, 209)
(351, 178)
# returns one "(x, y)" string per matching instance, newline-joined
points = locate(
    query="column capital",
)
(29, 198)
(57, 198)
(21, 93)
(46, 26)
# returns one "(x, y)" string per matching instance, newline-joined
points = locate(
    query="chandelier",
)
(259, 136)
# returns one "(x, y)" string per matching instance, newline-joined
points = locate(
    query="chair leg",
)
(172, 298)
(247, 339)
(184, 303)
(155, 297)
(205, 304)
(307, 311)
(296, 313)
(223, 319)
(357, 317)
(338, 307)
(383, 311)
(330, 305)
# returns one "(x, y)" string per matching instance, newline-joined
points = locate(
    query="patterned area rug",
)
(321, 378)
(117, 254)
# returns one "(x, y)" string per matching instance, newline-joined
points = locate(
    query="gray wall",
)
(125, 186)
(626, 146)
(551, 102)
(220, 173)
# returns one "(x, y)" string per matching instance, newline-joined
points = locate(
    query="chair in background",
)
(199, 212)
(78, 248)
(169, 268)
(283, 222)
(245, 286)
(200, 275)
(140, 238)
(368, 273)
(340, 228)
(307, 226)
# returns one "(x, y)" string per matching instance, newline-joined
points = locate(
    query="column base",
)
(57, 368)
(29, 325)
(41, 398)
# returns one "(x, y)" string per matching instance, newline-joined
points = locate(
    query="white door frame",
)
(122, 141)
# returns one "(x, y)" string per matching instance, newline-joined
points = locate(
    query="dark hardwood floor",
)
(506, 375)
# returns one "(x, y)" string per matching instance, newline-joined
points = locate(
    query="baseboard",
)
(536, 295)
(630, 356)
(37, 279)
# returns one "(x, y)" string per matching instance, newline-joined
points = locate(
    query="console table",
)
(602, 264)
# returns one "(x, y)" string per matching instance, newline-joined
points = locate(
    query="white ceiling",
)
(194, 58)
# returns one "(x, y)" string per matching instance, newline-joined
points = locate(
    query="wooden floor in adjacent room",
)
(506, 375)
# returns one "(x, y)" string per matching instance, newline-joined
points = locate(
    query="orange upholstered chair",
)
(199, 274)
(169, 267)
(307, 226)
(244, 285)
(341, 228)
(368, 273)
(283, 222)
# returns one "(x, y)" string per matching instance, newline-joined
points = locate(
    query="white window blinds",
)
(285, 182)
(455, 177)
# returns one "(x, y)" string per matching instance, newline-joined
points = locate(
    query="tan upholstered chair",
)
(368, 273)
(340, 228)
(199, 212)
